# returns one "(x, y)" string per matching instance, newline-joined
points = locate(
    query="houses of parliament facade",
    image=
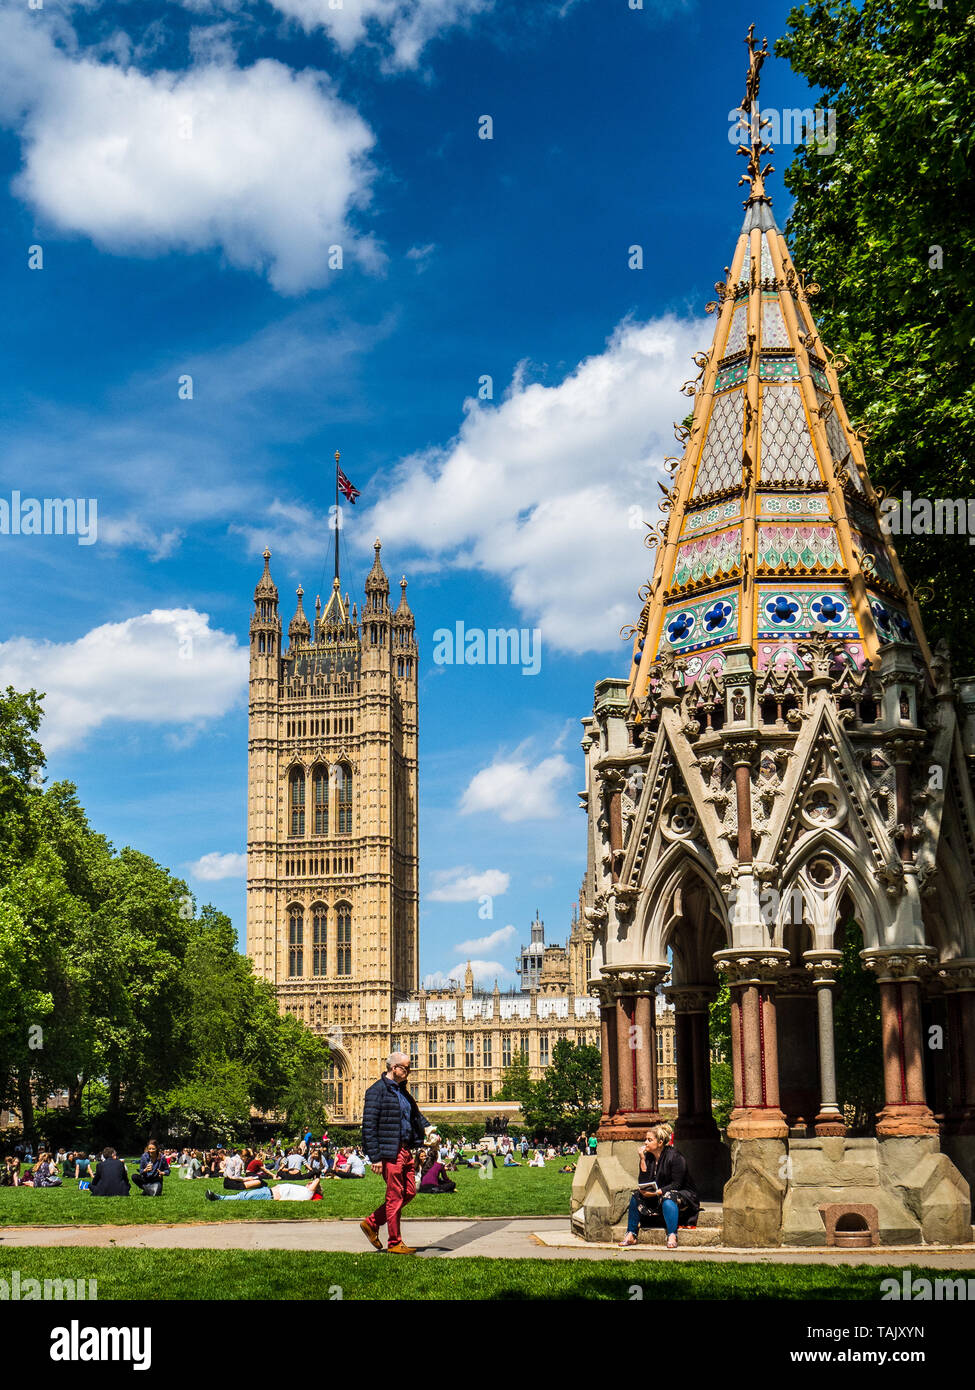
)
(332, 867)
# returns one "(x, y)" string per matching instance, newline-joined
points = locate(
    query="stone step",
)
(652, 1235)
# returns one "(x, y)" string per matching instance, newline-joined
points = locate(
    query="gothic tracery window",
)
(319, 939)
(296, 941)
(296, 783)
(345, 801)
(343, 939)
(320, 797)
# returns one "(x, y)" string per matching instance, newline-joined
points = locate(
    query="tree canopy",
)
(114, 986)
(884, 225)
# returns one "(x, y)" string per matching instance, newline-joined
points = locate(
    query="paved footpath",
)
(532, 1237)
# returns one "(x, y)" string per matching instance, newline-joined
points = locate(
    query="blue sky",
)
(184, 169)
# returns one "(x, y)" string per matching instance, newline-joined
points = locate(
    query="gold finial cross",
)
(755, 175)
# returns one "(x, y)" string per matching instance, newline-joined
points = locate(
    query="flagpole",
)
(337, 515)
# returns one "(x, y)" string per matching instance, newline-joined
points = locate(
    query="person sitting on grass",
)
(510, 1161)
(10, 1176)
(46, 1172)
(284, 1192)
(192, 1166)
(233, 1169)
(666, 1194)
(111, 1179)
(433, 1174)
(259, 1168)
(153, 1167)
(353, 1167)
(538, 1160)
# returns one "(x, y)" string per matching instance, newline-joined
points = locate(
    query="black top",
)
(111, 1179)
(670, 1172)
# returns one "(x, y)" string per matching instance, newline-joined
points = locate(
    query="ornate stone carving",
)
(624, 980)
(741, 751)
(958, 976)
(598, 914)
(894, 964)
(691, 999)
(752, 967)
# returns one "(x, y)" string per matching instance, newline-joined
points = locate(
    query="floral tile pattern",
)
(702, 623)
(800, 610)
(798, 547)
(708, 557)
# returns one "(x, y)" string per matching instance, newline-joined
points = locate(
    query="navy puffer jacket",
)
(381, 1122)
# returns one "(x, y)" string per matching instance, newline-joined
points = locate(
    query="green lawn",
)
(509, 1192)
(299, 1274)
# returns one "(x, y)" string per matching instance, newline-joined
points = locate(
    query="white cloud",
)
(263, 163)
(404, 26)
(167, 667)
(485, 973)
(131, 531)
(464, 885)
(501, 937)
(541, 489)
(515, 789)
(214, 866)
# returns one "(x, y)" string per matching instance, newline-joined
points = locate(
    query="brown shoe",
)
(400, 1249)
(371, 1234)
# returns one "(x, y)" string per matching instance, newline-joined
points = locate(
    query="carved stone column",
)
(755, 1059)
(958, 979)
(695, 1119)
(630, 1098)
(824, 966)
(607, 1047)
(906, 1111)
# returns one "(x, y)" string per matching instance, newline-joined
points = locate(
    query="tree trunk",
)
(25, 1098)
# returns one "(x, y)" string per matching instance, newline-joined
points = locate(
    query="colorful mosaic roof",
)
(772, 528)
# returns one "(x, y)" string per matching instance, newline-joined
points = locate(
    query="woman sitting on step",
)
(666, 1194)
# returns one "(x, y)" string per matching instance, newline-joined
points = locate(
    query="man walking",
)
(392, 1127)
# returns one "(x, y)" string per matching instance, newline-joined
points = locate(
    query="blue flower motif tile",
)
(782, 609)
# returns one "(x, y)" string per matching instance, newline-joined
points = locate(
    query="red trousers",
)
(399, 1175)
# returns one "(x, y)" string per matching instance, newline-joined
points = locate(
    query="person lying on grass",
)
(284, 1192)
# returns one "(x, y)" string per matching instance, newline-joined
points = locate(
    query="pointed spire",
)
(403, 610)
(266, 587)
(299, 630)
(756, 124)
(335, 614)
(772, 531)
(377, 585)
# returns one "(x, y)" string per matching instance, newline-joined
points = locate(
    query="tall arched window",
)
(334, 1086)
(297, 799)
(345, 801)
(319, 780)
(343, 939)
(296, 941)
(319, 933)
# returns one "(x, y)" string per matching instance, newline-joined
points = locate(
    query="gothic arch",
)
(823, 901)
(952, 920)
(663, 910)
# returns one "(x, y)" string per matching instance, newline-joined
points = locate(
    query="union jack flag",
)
(348, 490)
